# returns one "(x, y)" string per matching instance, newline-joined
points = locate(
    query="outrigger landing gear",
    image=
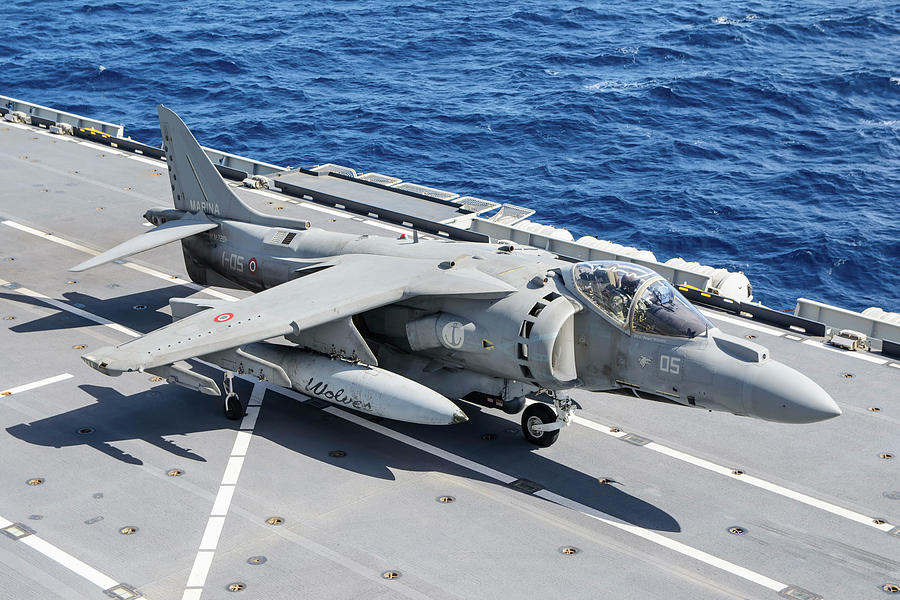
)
(541, 424)
(234, 410)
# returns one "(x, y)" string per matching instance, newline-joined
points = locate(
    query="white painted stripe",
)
(150, 161)
(772, 487)
(330, 211)
(68, 561)
(742, 322)
(895, 365)
(605, 429)
(242, 441)
(213, 531)
(847, 353)
(666, 542)
(5, 523)
(75, 311)
(249, 421)
(223, 501)
(36, 384)
(130, 265)
(178, 280)
(192, 594)
(202, 563)
(256, 397)
(49, 236)
(814, 343)
(750, 480)
(385, 226)
(423, 446)
(651, 536)
(233, 470)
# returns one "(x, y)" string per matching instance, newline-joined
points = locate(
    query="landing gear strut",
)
(541, 424)
(234, 410)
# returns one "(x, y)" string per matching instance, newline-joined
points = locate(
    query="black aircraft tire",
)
(234, 410)
(544, 414)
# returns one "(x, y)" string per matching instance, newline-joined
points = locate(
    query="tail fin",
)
(196, 184)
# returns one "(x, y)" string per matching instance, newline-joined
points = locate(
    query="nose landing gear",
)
(541, 425)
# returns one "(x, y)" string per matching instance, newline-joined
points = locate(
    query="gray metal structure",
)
(130, 486)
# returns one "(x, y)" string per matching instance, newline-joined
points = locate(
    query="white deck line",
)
(742, 322)
(130, 265)
(748, 479)
(36, 384)
(656, 538)
(216, 521)
(646, 534)
(848, 353)
(385, 226)
(774, 332)
(75, 311)
(63, 558)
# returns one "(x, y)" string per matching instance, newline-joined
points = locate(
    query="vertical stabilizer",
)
(196, 184)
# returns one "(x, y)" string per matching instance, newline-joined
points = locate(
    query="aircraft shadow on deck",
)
(125, 310)
(166, 411)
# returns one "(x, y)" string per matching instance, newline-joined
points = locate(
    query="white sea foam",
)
(722, 20)
(895, 80)
(610, 85)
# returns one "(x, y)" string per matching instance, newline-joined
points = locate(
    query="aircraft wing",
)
(354, 284)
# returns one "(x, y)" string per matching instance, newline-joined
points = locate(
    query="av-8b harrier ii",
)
(398, 327)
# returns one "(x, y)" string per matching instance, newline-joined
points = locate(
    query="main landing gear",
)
(541, 424)
(234, 410)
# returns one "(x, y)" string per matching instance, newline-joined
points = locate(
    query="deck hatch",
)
(123, 591)
(635, 439)
(798, 593)
(17, 531)
(526, 485)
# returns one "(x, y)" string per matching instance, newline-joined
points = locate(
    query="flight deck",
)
(130, 487)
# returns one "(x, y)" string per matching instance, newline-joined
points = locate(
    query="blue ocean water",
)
(762, 137)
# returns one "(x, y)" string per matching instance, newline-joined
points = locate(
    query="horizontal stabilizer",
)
(167, 232)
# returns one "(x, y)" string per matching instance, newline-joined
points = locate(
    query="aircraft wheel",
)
(535, 415)
(234, 410)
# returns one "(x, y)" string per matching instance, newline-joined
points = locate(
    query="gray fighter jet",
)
(398, 327)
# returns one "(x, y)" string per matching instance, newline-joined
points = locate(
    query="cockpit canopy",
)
(637, 298)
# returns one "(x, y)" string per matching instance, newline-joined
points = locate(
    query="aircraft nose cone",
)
(787, 396)
(458, 417)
